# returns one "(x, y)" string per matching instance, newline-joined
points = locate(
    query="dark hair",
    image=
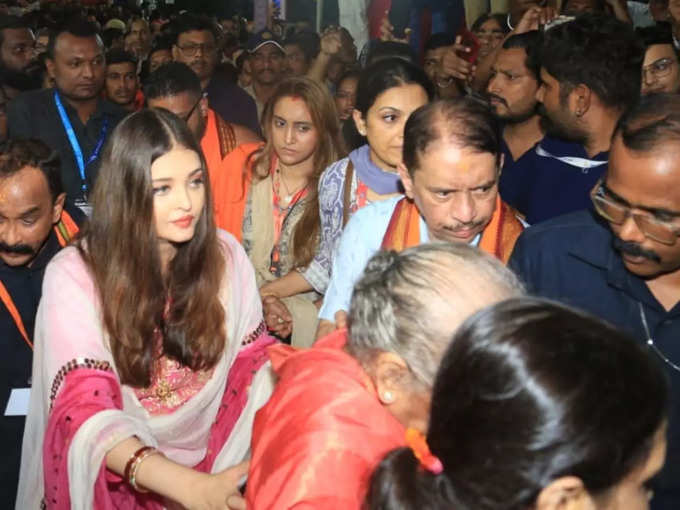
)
(20, 153)
(439, 40)
(191, 22)
(499, 18)
(77, 28)
(599, 6)
(518, 402)
(591, 50)
(118, 56)
(171, 79)
(309, 42)
(109, 36)
(162, 42)
(120, 248)
(530, 42)
(467, 122)
(653, 121)
(385, 74)
(661, 33)
(382, 50)
(352, 73)
(10, 22)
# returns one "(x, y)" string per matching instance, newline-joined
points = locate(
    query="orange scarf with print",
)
(498, 238)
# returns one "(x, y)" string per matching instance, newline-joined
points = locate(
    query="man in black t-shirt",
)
(33, 227)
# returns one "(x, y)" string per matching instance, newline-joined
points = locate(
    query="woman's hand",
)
(178, 484)
(276, 315)
(217, 491)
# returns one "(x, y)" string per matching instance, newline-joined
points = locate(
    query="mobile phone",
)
(399, 16)
(469, 40)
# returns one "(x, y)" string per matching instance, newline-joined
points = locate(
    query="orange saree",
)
(317, 441)
(228, 171)
(498, 238)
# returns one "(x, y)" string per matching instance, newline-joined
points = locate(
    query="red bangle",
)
(133, 460)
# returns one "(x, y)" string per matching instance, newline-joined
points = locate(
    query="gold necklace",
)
(285, 200)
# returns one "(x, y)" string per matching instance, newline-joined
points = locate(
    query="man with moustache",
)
(72, 118)
(138, 38)
(226, 147)
(621, 261)
(512, 96)
(34, 225)
(196, 46)
(266, 56)
(450, 173)
(590, 73)
(17, 58)
(121, 83)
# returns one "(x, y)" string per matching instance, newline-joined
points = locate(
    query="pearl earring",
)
(387, 397)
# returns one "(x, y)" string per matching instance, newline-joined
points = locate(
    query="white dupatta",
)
(68, 327)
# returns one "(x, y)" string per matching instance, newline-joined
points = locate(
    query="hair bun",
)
(379, 264)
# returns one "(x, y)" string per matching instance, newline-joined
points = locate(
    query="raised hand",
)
(452, 64)
(387, 31)
(331, 43)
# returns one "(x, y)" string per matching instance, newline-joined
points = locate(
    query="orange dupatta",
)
(498, 238)
(229, 171)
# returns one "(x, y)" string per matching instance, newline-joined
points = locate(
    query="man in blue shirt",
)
(512, 96)
(590, 73)
(450, 176)
(621, 262)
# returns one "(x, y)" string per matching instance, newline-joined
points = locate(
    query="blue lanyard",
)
(82, 165)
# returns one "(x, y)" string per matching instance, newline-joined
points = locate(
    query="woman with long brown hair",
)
(148, 337)
(281, 224)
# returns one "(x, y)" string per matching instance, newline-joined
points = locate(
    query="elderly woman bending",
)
(341, 405)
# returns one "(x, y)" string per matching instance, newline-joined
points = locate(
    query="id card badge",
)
(82, 204)
(18, 402)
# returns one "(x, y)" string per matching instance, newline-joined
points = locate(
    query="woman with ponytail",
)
(340, 406)
(535, 406)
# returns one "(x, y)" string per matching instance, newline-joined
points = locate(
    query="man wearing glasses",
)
(226, 147)
(660, 69)
(196, 46)
(621, 260)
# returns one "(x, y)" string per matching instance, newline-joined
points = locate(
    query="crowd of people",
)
(268, 269)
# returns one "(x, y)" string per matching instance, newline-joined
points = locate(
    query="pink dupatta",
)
(79, 410)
